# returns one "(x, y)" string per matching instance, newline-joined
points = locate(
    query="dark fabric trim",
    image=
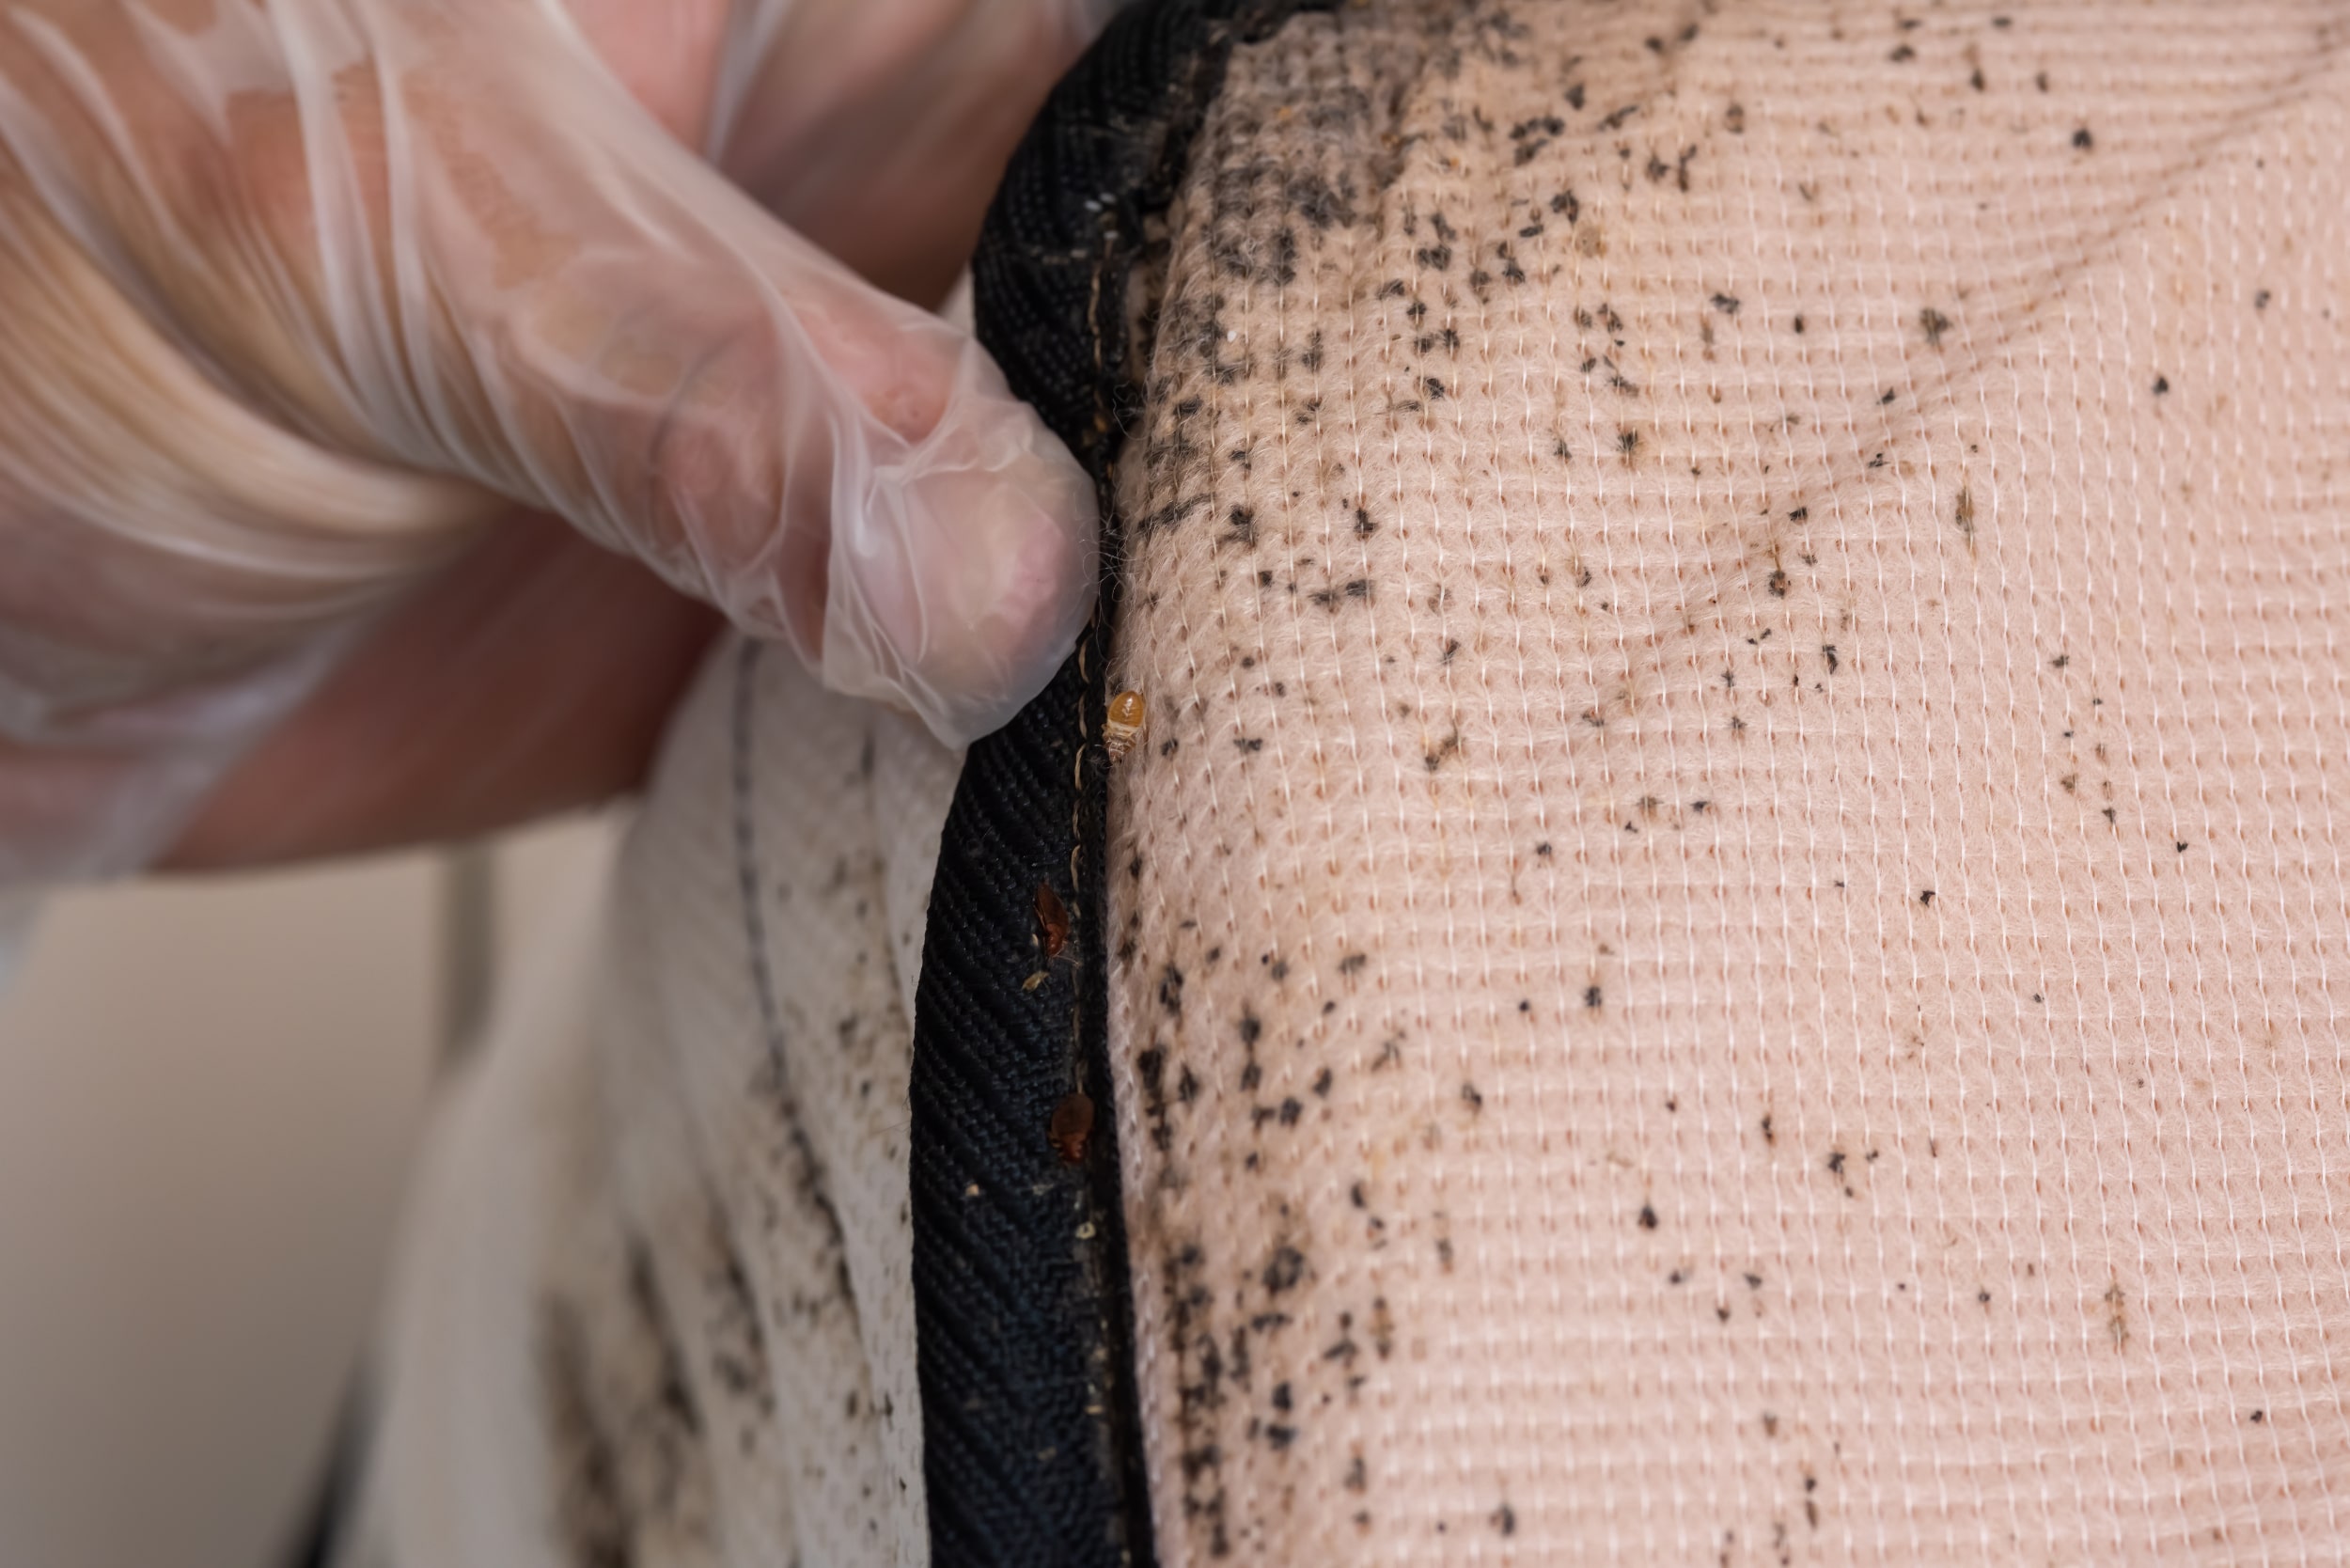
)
(1032, 1448)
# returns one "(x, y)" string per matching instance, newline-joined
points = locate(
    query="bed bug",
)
(1072, 1124)
(1052, 921)
(1127, 716)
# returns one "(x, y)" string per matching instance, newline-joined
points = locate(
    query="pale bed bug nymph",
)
(1127, 716)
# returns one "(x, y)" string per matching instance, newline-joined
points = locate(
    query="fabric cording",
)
(1727, 942)
(1030, 1446)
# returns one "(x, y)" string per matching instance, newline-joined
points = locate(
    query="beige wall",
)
(208, 1092)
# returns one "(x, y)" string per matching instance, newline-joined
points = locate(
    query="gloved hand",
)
(299, 298)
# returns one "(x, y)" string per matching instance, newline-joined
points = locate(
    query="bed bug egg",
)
(1127, 716)
(1071, 1125)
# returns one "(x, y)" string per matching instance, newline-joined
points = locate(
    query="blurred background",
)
(210, 1093)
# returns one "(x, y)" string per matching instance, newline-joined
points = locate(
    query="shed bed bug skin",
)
(1052, 921)
(1073, 1124)
(1127, 716)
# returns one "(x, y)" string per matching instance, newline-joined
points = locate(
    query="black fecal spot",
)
(1169, 515)
(1776, 583)
(1828, 651)
(590, 1515)
(1248, 742)
(1434, 258)
(1364, 526)
(1316, 200)
(1628, 442)
(1171, 989)
(2260, 299)
(1250, 1028)
(1591, 995)
(1934, 325)
(1310, 356)
(1283, 1270)
(1926, 898)
(1472, 1099)
(1352, 963)
(1251, 1076)
(1321, 1085)
(1281, 1400)
(1567, 205)
(1727, 303)
(2162, 384)
(1292, 1108)
(1431, 388)
(1798, 514)
(1392, 290)
(1505, 1519)
(1647, 1216)
(1901, 55)
(2083, 140)
(1240, 523)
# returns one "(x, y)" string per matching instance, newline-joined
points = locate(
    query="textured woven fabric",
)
(656, 1309)
(1728, 936)
(1032, 1452)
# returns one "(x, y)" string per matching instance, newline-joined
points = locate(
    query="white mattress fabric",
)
(1730, 937)
(1729, 928)
(654, 1305)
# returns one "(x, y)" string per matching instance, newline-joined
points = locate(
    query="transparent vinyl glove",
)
(300, 299)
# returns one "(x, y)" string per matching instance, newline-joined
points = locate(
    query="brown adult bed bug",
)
(1072, 1123)
(1052, 921)
(1127, 716)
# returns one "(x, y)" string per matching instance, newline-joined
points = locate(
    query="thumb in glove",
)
(328, 283)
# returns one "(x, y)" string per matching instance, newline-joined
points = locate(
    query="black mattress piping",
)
(1032, 1443)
